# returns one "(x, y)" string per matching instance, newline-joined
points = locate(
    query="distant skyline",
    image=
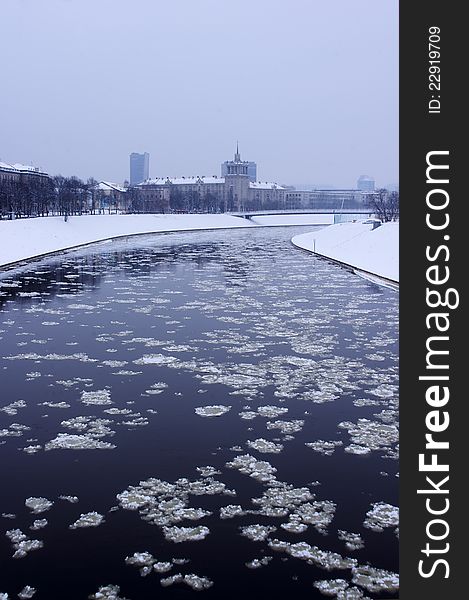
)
(309, 88)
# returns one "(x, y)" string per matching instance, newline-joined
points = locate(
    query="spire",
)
(237, 156)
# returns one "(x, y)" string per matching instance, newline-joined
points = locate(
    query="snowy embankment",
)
(21, 239)
(357, 245)
(299, 219)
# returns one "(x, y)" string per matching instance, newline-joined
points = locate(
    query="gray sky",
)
(308, 87)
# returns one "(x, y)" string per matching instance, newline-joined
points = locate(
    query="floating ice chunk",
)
(91, 519)
(215, 410)
(117, 411)
(353, 541)
(56, 404)
(230, 511)
(357, 449)
(33, 356)
(66, 441)
(208, 471)
(12, 408)
(185, 534)
(286, 426)
(326, 448)
(375, 580)
(81, 307)
(38, 505)
(107, 592)
(72, 499)
(331, 587)
(257, 533)
(257, 563)
(248, 415)
(295, 525)
(257, 469)
(271, 411)
(371, 434)
(21, 543)
(38, 524)
(3, 596)
(264, 446)
(283, 495)
(134, 498)
(97, 397)
(192, 514)
(380, 516)
(314, 555)
(140, 559)
(115, 363)
(197, 583)
(32, 449)
(365, 402)
(27, 592)
(156, 359)
(162, 567)
(167, 581)
(8, 516)
(352, 593)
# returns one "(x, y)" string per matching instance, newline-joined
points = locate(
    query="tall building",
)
(139, 167)
(365, 184)
(229, 167)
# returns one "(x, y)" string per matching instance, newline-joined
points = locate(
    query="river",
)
(219, 407)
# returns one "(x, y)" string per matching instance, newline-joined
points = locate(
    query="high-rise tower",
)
(139, 167)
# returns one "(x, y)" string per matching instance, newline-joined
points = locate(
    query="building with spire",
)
(234, 191)
(239, 167)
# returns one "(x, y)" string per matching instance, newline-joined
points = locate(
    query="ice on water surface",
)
(273, 348)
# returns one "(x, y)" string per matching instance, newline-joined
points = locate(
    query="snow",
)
(358, 245)
(26, 238)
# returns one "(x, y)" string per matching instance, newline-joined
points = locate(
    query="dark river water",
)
(109, 359)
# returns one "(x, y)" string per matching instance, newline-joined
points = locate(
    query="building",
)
(366, 184)
(329, 199)
(232, 192)
(107, 196)
(19, 173)
(139, 167)
(251, 169)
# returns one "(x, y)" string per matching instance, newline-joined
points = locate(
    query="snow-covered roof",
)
(19, 168)
(183, 180)
(265, 185)
(107, 185)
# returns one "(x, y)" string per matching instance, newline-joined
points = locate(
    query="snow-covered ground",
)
(298, 219)
(358, 245)
(352, 243)
(25, 238)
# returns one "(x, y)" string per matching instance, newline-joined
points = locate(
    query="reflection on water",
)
(200, 411)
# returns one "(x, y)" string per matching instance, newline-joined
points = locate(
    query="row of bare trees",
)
(385, 205)
(36, 196)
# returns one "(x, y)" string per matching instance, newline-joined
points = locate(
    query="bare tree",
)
(385, 205)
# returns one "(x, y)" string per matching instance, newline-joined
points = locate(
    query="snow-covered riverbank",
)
(26, 238)
(354, 244)
(358, 245)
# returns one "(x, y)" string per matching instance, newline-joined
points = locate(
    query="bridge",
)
(340, 214)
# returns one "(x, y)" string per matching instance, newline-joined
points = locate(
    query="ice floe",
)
(27, 592)
(380, 516)
(21, 543)
(90, 519)
(38, 505)
(215, 410)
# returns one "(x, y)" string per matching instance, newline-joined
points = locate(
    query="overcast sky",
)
(308, 87)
